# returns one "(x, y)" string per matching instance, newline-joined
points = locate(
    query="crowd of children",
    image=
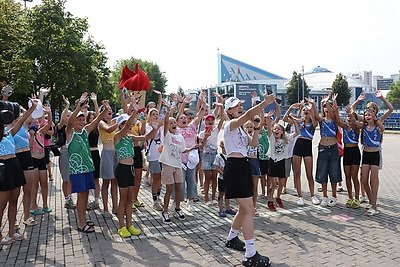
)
(233, 149)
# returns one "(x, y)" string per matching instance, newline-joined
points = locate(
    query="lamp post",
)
(26, 1)
(302, 85)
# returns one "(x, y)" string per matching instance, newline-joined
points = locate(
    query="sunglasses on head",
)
(189, 114)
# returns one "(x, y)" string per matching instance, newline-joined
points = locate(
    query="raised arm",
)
(64, 113)
(159, 101)
(91, 126)
(334, 110)
(47, 110)
(257, 129)
(314, 108)
(277, 112)
(93, 97)
(390, 107)
(79, 104)
(14, 130)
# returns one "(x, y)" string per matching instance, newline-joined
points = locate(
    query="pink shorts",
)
(171, 175)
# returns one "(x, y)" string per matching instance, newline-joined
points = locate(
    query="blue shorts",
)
(207, 161)
(328, 163)
(154, 167)
(81, 182)
(255, 167)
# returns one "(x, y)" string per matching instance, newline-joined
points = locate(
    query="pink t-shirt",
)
(190, 135)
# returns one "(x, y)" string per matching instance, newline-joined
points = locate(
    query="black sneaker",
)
(180, 215)
(257, 260)
(235, 243)
(165, 217)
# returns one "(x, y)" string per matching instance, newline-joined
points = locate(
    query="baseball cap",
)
(232, 102)
(80, 113)
(209, 116)
(121, 118)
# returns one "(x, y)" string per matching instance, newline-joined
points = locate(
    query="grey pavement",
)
(292, 236)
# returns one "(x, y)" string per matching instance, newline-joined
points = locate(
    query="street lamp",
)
(302, 85)
(26, 1)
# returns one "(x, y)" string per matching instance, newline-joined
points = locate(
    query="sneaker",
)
(93, 205)
(271, 206)
(208, 203)
(69, 204)
(284, 190)
(300, 201)
(231, 212)
(257, 260)
(222, 213)
(235, 243)
(315, 200)
(332, 202)
(179, 214)
(340, 189)
(319, 189)
(279, 202)
(190, 206)
(123, 232)
(324, 201)
(165, 217)
(262, 196)
(134, 231)
(47, 209)
(157, 206)
(214, 202)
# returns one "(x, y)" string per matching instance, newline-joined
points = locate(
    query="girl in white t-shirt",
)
(278, 152)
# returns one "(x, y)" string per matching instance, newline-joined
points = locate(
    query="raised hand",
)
(65, 100)
(45, 90)
(269, 98)
(362, 96)
(188, 99)
(46, 108)
(378, 94)
(157, 92)
(93, 97)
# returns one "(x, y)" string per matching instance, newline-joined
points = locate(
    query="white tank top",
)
(236, 140)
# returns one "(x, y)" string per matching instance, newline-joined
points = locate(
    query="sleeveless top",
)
(328, 129)
(107, 137)
(372, 138)
(306, 130)
(21, 139)
(7, 145)
(124, 148)
(79, 156)
(236, 140)
(94, 138)
(37, 143)
(263, 145)
(350, 136)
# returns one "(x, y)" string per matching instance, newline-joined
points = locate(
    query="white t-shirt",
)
(278, 150)
(236, 140)
(212, 141)
(153, 144)
(174, 145)
(220, 162)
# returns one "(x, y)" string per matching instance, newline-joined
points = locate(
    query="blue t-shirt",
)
(21, 139)
(7, 145)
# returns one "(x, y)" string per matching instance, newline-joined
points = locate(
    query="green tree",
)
(294, 90)
(65, 59)
(158, 81)
(393, 95)
(341, 87)
(15, 67)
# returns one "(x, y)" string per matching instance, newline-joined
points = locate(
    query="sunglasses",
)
(188, 114)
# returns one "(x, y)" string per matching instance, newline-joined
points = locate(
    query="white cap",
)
(38, 112)
(232, 102)
(121, 118)
(80, 113)
(193, 159)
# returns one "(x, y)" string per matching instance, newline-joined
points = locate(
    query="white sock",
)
(250, 249)
(232, 234)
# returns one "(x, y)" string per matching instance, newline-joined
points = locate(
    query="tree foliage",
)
(294, 90)
(393, 95)
(341, 87)
(157, 78)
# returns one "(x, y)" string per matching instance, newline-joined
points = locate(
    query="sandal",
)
(236, 243)
(356, 204)
(16, 226)
(367, 207)
(257, 260)
(90, 223)
(349, 203)
(51, 178)
(138, 204)
(30, 221)
(47, 209)
(36, 212)
(86, 229)
(18, 237)
(106, 214)
(7, 240)
(371, 212)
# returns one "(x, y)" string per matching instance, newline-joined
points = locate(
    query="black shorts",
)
(125, 175)
(303, 147)
(96, 163)
(263, 166)
(276, 169)
(11, 175)
(47, 155)
(238, 179)
(138, 158)
(26, 160)
(352, 156)
(221, 185)
(371, 158)
(40, 163)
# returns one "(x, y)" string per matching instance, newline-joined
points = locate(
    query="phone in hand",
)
(277, 100)
(8, 90)
(208, 128)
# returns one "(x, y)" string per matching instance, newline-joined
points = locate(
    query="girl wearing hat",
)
(124, 172)
(238, 177)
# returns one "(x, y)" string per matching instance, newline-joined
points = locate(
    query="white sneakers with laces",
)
(315, 200)
(300, 201)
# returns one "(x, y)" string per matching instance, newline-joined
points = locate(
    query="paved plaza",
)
(292, 236)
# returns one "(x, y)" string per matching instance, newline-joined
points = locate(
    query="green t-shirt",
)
(263, 145)
(124, 148)
(79, 156)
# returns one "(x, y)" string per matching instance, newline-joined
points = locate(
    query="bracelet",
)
(257, 128)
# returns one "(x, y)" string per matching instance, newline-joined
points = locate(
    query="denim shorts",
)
(255, 167)
(328, 163)
(154, 167)
(207, 161)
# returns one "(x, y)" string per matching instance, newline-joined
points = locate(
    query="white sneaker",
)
(324, 201)
(332, 202)
(315, 200)
(284, 190)
(157, 206)
(214, 202)
(300, 201)
(190, 206)
(165, 217)
(180, 215)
